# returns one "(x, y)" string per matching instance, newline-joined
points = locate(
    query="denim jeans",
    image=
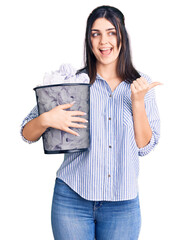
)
(75, 218)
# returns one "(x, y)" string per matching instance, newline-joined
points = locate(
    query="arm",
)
(34, 126)
(33, 130)
(142, 129)
(145, 115)
(32, 115)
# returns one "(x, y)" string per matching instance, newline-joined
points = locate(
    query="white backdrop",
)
(38, 36)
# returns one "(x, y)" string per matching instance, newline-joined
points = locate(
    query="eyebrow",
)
(109, 29)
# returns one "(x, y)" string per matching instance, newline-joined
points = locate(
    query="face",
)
(104, 42)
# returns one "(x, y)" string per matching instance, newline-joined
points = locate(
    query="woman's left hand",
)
(140, 87)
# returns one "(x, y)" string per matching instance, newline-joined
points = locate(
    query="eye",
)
(95, 34)
(112, 33)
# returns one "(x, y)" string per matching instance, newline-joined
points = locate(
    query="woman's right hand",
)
(60, 119)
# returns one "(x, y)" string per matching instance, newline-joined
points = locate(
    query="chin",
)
(107, 62)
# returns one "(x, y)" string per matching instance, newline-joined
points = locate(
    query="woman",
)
(96, 191)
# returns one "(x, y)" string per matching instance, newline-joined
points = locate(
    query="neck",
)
(107, 71)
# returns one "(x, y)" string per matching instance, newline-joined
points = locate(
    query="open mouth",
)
(105, 51)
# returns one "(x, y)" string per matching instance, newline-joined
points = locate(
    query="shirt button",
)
(109, 175)
(110, 95)
(109, 118)
(110, 146)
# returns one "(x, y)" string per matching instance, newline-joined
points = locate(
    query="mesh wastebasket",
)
(50, 96)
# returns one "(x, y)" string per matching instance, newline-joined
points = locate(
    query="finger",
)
(71, 131)
(67, 105)
(78, 119)
(73, 113)
(75, 125)
(154, 84)
(142, 83)
(144, 80)
(133, 89)
(136, 85)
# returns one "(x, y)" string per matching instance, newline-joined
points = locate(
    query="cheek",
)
(94, 47)
(115, 42)
(118, 49)
(93, 43)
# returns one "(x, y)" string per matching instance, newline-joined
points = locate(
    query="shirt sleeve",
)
(33, 114)
(154, 121)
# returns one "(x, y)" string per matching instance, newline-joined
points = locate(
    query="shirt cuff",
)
(145, 150)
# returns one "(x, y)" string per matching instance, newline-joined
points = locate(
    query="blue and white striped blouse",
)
(109, 170)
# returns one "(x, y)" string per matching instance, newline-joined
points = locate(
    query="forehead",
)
(102, 24)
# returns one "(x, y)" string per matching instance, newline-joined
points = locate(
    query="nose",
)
(103, 39)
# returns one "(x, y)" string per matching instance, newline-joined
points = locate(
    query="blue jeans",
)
(75, 218)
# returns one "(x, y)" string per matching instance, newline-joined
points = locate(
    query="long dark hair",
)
(125, 69)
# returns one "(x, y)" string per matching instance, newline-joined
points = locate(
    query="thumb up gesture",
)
(140, 87)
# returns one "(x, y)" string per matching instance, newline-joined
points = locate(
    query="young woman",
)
(96, 191)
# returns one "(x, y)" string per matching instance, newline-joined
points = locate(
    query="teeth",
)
(104, 49)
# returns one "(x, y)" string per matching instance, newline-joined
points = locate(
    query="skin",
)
(142, 129)
(57, 118)
(103, 38)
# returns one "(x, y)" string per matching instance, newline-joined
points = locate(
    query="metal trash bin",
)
(50, 96)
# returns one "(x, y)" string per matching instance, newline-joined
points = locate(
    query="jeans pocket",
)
(61, 188)
(59, 181)
(64, 191)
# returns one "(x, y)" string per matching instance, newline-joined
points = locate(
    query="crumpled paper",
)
(65, 74)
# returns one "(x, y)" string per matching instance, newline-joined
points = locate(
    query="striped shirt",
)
(109, 169)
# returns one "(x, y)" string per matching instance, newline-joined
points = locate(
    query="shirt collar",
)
(123, 88)
(98, 77)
